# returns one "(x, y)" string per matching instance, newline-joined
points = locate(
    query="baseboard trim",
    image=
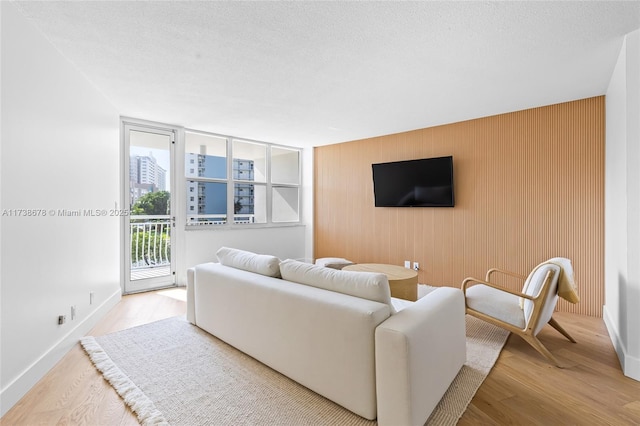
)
(630, 364)
(15, 390)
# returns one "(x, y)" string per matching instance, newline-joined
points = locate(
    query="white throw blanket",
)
(567, 287)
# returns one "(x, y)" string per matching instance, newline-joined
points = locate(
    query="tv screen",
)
(426, 182)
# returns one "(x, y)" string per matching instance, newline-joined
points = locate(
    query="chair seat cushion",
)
(495, 303)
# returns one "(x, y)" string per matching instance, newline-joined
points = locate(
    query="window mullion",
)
(231, 185)
(269, 190)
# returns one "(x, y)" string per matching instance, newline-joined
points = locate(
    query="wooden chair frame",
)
(538, 303)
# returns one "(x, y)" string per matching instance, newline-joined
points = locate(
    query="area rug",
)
(172, 372)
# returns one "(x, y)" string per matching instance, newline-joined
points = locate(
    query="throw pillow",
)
(333, 262)
(262, 264)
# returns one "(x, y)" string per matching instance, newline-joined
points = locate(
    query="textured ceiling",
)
(313, 73)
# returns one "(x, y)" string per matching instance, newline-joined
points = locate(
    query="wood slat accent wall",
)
(529, 185)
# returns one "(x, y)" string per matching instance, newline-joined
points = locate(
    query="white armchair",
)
(525, 312)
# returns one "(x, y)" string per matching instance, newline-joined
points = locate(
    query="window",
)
(250, 160)
(209, 180)
(249, 164)
(258, 183)
(285, 204)
(285, 180)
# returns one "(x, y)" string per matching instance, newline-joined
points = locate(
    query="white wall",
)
(60, 147)
(622, 207)
(285, 242)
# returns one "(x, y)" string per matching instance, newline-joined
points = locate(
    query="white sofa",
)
(310, 326)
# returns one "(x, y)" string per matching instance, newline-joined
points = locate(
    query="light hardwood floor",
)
(523, 388)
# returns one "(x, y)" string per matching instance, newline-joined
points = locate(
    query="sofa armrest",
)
(419, 352)
(191, 292)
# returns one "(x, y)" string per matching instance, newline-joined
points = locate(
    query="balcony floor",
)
(158, 271)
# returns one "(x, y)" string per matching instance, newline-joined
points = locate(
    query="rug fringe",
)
(140, 403)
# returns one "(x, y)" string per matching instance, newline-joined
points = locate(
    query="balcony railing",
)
(150, 241)
(218, 219)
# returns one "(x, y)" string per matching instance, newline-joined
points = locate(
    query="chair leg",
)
(553, 323)
(537, 345)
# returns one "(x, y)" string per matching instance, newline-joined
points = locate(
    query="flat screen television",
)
(427, 182)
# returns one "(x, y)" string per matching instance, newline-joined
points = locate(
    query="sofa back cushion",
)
(262, 264)
(366, 285)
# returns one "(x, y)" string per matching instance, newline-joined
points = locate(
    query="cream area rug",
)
(172, 372)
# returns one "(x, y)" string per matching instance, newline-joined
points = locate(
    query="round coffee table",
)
(403, 282)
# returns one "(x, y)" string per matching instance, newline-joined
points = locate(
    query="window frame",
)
(231, 182)
(272, 186)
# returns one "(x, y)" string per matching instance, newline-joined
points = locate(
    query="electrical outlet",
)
(407, 264)
(62, 319)
(416, 266)
(91, 298)
(73, 312)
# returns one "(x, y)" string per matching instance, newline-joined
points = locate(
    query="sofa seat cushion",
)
(262, 264)
(366, 285)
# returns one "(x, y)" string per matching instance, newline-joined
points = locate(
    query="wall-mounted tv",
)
(427, 182)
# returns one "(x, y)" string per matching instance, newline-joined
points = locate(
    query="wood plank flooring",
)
(73, 392)
(524, 389)
(521, 389)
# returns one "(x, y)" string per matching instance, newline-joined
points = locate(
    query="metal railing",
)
(150, 236)
(218, 219)
(150, 241)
